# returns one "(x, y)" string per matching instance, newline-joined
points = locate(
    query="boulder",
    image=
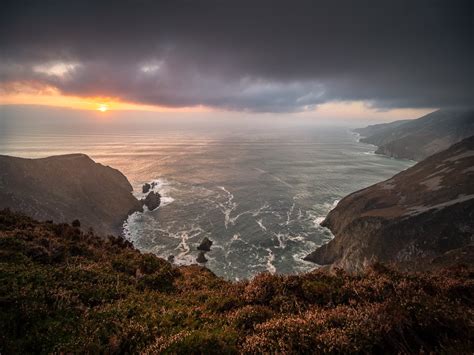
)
(171, 259)
(153, 200)
(201, 258)
(205, 244)
(146, 187)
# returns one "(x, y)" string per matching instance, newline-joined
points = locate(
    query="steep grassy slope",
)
(65, 291)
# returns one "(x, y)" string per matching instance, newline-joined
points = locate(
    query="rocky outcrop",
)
(201, 257)
(65, 188)
(420, 138)
(146, 188)
(152, 200)
(205, 244)
(414, 218)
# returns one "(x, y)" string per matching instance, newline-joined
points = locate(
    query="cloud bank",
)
(264, 56)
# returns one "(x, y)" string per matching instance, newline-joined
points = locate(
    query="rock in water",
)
(205, 244)
(146, 187)
(153, 200)
(201, 258)
(171, 259)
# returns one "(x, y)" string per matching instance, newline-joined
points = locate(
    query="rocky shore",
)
(420, 215)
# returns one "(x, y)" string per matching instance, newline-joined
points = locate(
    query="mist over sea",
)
(258, 194)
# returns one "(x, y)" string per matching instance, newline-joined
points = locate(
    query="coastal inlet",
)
(234, 192)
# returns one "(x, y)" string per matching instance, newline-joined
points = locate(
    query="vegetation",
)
(63, 290)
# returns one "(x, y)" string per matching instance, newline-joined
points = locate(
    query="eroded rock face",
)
(65, 188)
(152, 200)
(205, 244)
(418, 215)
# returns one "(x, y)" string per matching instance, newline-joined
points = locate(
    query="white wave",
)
(227, 207)
(127, 227)
(270, 259)
(263, 208)
(289, 213)
(318, 220)
(236, 237)
(166, 200)
(296, 238)
(281, 242)
(260, 223)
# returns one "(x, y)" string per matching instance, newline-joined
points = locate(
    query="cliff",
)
(412, 219)
(67, 187)
(420, 138)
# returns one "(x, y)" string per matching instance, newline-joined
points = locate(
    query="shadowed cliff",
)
(67, 187)
(420, 138)
(413, 219)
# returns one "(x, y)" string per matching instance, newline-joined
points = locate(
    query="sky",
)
(381, 60)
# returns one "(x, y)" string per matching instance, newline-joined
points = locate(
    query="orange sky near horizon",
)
(50, 96)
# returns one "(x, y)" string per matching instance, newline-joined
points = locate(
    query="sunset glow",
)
(103, 108)
(30, 93)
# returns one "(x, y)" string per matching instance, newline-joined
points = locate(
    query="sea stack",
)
(201, 258)
(146, 188)
(152, 201)
(205, 244)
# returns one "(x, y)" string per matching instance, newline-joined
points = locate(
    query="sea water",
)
(258, 194)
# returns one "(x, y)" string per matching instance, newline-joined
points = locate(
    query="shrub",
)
(65, 291)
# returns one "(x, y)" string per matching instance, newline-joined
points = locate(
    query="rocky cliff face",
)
(414, 218)
(420, 138)
(67, 187)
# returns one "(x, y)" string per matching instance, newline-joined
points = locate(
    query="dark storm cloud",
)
(245, 55)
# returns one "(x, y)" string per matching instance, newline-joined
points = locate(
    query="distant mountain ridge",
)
(421, 216)
(67, 187)
(422, 137)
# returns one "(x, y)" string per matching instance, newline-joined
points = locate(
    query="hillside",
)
(379, 128)
(64, 291)
(67, 187)
(422, 216)
(420, 138)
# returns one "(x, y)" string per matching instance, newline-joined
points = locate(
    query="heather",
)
(66, 290)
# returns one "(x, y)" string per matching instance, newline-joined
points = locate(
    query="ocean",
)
(258, 194)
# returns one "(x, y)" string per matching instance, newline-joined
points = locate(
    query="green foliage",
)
(65, 291)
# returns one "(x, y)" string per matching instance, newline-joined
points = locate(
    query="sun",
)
(103, 108)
